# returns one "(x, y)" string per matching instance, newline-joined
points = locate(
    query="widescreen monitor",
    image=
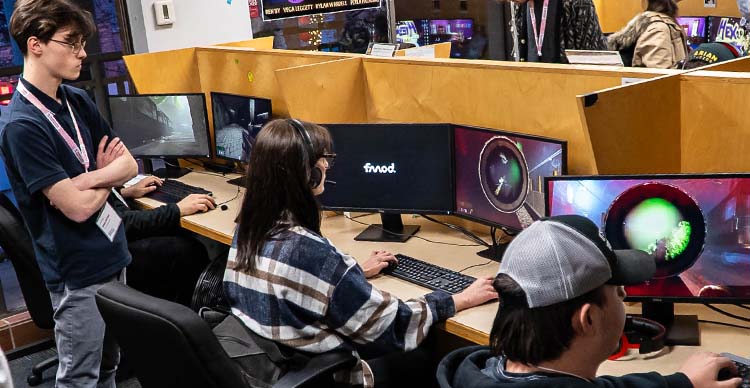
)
(695, 29)
(391, 169)
(162, 125)
(730, 30)
(421, 32)
(697, 227)
(237, 121)
(499, 175)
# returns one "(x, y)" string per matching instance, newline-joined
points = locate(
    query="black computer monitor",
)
(237, 121)
(697, 227)
(391, 169)
(695, 29)
(164, 126)
(729, 30)
(499, 177)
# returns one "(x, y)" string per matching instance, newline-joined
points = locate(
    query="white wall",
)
(197, 23)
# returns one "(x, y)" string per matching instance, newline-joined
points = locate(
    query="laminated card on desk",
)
(594, 57)
(382, 49)
(421, 52)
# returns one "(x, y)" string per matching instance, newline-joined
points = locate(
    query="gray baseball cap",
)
(560, 258)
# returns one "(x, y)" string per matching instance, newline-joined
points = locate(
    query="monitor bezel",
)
(213, 121)
(205, 117)
(563, 168)
(452, 178)
(641, 298)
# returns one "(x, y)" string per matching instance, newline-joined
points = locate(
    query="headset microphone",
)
(333, 183)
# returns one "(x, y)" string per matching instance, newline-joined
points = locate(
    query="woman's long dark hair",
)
(667, 7)
(278, 193)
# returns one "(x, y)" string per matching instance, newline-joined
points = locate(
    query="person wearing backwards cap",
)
(710, 53)
(561, 315)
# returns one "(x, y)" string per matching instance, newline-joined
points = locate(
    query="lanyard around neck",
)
(539, 33)
(79, 152)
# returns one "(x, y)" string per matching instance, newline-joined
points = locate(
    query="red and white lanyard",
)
(79, 152)
(539, 34)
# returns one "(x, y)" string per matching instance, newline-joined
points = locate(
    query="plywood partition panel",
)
(737, 65)
(173, 71)
(330, 92)
(251, 72)
(528, 98)
(265, 43)
(635, 129)
(715, 123)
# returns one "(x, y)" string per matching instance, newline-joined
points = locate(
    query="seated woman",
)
(288, 283)
(654, 37)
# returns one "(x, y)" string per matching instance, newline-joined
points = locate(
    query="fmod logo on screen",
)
(384, 169)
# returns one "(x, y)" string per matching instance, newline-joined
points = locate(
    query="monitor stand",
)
(681, 329)
(171, 169)
(392, 230)
(239, 181)
(494, 252)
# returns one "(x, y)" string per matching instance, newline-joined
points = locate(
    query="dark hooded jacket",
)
(463, 368)
(579, 28)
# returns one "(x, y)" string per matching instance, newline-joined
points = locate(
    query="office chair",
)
(16, 242)
(171, 346)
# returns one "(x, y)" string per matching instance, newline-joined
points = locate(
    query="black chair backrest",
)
(16, 242)
(169, 344)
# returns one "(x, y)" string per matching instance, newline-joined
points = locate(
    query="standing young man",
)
(62, 183)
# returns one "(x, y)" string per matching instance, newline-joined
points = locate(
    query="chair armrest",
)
(320, 365)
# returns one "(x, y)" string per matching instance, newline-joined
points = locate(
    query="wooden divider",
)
(336, 94)
(265, 43)
(737, 65)
(173, 71)
(635, 129)
(442, 50)
(715, 122)
(527, 98)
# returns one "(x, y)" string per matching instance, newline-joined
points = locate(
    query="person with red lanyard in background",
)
(544, 29)
(63, 162)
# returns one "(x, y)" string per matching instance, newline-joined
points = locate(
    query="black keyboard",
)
(429, 275)
(172, 191)
(743, 369)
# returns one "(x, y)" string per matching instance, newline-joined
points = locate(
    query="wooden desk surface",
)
(473, 324)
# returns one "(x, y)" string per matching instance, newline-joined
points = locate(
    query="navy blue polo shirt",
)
(70, 254)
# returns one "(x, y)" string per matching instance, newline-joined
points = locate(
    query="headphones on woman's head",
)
(308, 153)
(641, 334)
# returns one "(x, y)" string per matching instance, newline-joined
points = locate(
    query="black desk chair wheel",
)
(171, 346)
(16, 242)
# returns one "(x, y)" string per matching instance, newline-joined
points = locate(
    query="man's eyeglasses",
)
(74, 47)
(330, 158)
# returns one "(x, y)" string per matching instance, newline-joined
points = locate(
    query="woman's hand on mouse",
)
(195, 203)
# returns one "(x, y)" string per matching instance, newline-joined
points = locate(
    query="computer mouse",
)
(725, 374)
(391, 266)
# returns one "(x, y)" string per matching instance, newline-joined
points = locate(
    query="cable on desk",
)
(727, 313)
(232, 199)
(415, 236)
(724, 324)
(461, 229)
(743, 306)
(476, 265)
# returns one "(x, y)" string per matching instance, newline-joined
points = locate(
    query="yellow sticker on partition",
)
(250, 76)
